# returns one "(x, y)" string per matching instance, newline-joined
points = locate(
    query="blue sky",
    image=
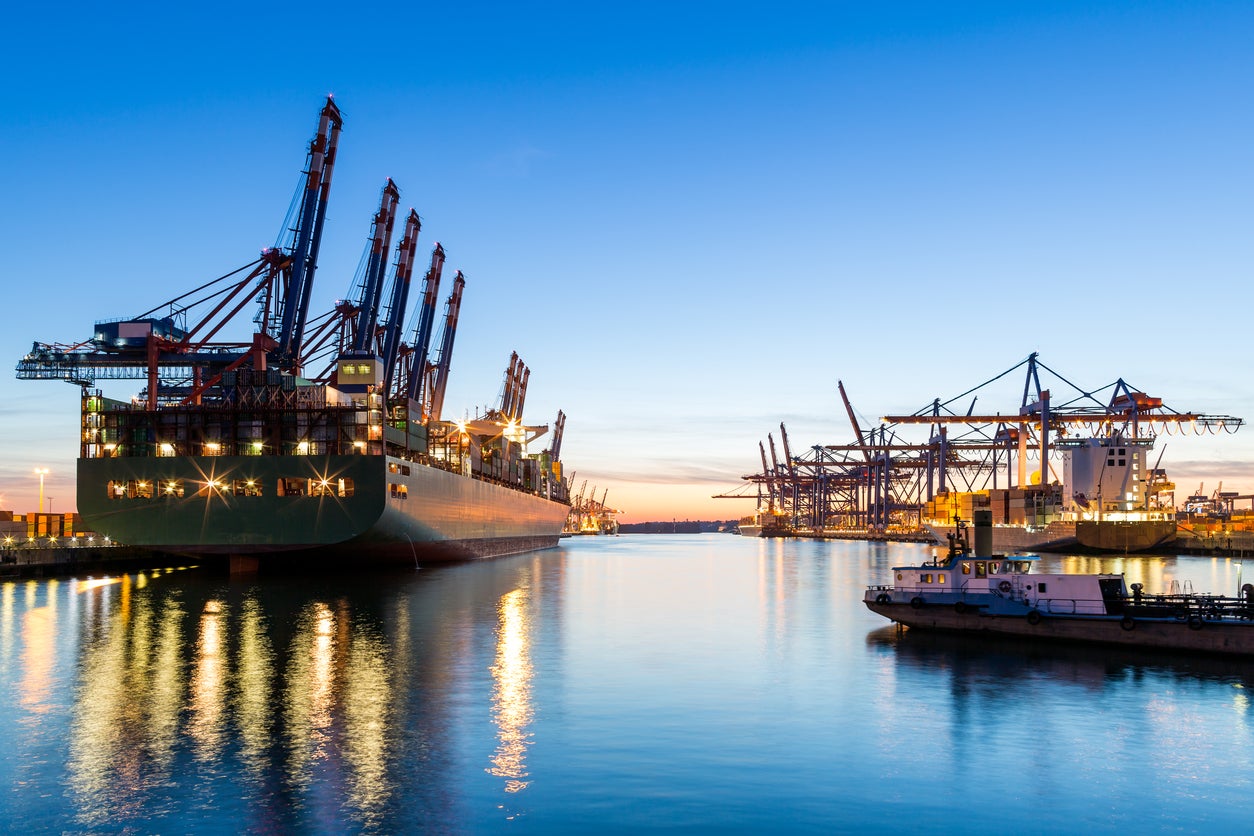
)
(689, 219)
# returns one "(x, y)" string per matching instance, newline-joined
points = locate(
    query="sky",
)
(690, 219)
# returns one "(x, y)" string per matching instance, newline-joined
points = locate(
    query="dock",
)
(47, 561)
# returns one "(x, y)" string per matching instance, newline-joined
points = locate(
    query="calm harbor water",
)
(688, 682)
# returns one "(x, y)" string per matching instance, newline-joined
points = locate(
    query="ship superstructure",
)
(319, 436)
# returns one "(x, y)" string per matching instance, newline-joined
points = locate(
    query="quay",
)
(40, 561)
(904, 536)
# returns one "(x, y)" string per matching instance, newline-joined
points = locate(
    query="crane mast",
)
(400, 297)
(381, 241)
(426, 318)
(440, 369)
(304, 258)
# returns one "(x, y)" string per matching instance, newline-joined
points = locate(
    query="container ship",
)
(320, 438)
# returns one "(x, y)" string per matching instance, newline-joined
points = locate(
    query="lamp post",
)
(42, 472)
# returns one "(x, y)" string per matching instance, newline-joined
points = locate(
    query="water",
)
(684, 683)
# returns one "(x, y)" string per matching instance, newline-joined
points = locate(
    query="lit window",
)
(291, 487)
(246, 487)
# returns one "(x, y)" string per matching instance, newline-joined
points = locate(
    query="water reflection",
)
(253, 688)
(511, 694)
(208, 698)
(39, 626)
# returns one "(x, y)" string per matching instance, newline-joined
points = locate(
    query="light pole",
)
(42, 472)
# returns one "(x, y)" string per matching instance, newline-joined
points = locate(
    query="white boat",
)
(996, 595)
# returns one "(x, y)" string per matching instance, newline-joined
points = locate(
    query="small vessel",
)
(749, 526)
(990, 595)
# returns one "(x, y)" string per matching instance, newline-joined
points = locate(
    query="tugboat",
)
(974, 592)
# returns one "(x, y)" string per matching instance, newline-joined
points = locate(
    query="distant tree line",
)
(678, 527)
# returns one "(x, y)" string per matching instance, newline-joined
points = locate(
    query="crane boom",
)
(426, 319)
(309, 224)
(441, 368)
(400, 297)
(372, 287)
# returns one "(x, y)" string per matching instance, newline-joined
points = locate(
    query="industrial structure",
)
(1081, 453)
(314, 430)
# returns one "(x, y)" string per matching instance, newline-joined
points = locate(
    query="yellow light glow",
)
(302, 447)
(96, 583)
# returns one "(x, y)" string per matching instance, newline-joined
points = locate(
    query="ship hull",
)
(1228, 636)
(1125, 536)
(1058, 535)
(304, 509)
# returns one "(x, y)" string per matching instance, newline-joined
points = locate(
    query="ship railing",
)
(1190, 607)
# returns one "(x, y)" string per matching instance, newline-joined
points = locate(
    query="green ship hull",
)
(302, 509)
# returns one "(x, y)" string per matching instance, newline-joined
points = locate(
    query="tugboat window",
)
(1040, 587)
(927, 578)
(981, 569)
(940, 578)
(966, 568)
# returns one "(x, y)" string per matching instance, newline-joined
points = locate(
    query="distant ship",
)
(233, 451)
(1108, 501)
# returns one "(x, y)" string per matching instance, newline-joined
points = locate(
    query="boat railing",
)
(1190, 607)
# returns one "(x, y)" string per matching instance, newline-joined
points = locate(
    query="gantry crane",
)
(885, 477)
(356, 348)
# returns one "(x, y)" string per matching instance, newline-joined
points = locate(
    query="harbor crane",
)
(188, 350)
(886, 477)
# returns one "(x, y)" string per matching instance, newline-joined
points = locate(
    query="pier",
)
(40, 560)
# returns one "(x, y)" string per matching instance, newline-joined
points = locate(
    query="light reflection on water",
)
(693, 682)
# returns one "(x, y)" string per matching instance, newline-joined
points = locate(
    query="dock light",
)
(303, 448)
(258, 447)
(167, 449)
(41, 472)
